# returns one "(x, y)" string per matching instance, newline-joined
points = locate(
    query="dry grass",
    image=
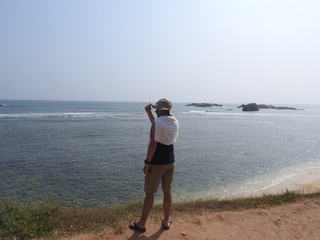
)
(241, 203)
(71, 220)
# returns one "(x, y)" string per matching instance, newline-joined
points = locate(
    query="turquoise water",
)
(92, 153)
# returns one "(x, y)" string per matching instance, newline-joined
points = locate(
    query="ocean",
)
(92, 153)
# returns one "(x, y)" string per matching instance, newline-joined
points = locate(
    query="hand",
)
(146, 169)
(148, 108)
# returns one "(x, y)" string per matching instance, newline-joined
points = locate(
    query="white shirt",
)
(166, 129)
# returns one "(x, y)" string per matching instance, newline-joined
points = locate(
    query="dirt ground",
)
(290, 221)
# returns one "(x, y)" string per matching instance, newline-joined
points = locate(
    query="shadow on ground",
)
(139, 236)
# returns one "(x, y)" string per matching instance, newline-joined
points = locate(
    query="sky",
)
(226, 51)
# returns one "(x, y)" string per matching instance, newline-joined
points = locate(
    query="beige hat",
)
(162, 104)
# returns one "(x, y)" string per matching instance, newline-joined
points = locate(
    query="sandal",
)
(165, 227)
(134, 227)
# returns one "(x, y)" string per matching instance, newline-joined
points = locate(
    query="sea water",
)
(92, 153)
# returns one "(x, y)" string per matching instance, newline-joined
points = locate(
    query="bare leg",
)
(167, 203)
(147, 206)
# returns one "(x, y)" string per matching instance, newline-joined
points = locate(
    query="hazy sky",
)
(226, 51)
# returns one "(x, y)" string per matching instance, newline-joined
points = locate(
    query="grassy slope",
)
(31, 220)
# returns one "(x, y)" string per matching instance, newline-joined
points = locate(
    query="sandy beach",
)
(299, 220)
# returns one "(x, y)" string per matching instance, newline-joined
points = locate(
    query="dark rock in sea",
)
(1, 105)
(204, 105)
(249, 107)
(264, 106)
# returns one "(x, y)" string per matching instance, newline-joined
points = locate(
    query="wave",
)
(65, 115)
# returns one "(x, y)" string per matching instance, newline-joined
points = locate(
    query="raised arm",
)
(149, 112)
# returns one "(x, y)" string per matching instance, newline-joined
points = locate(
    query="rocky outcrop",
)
(264, 106)
(249, 107)
(203, 105)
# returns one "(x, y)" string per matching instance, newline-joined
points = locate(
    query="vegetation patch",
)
(24, 220)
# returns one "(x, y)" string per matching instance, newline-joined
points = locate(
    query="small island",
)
(203, 105)
(256, 107)
(264, 106)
